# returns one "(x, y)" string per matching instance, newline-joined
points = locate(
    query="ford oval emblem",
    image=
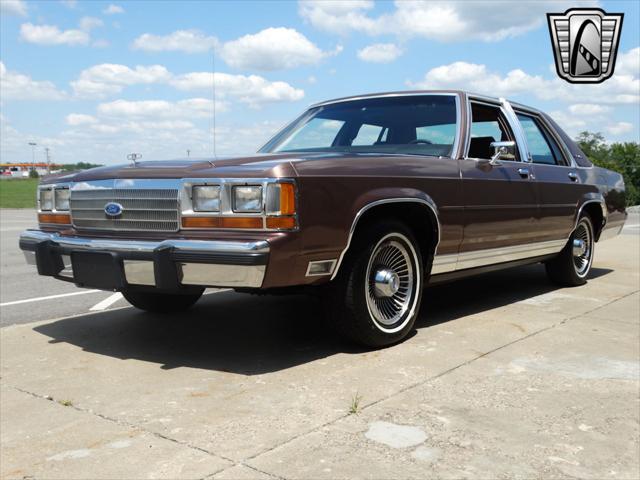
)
(113, 209)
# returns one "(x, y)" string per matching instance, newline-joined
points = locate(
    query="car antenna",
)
(213, 81)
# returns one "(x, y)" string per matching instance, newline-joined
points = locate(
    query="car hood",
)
(253, 166)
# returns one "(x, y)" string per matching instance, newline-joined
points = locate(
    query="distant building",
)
(21, 170)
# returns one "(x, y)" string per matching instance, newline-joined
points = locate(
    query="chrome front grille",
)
(154, 210)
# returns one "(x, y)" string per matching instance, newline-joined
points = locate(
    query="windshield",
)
(420, 125)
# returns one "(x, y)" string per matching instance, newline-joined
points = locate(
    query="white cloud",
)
(252, 90)
(113, 10)
(437, 20)
(588, 109)
(339, 17)
(89, 23)
(380, 53)
(16, 86)
(187, 41)
(189, 108)
(75, 119)
(14, 7)
(273, 49)
(69, 3)
(620, 128)
(571, 123)
(619, 89)
(108, 78)
(52, 35)
(628, 63)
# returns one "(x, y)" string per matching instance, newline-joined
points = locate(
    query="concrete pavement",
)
(506, 376)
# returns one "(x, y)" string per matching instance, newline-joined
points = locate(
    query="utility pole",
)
(33, 154)
(48, 160)
(188, 153)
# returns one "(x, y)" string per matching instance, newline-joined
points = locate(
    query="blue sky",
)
(94, 80)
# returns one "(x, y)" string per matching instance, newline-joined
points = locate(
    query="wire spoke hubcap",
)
(391, 275)
(582, 249)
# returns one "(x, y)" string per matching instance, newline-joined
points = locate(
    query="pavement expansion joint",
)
(439, 375)
(123, 424)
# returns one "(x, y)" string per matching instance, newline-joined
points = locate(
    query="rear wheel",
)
(162, 302)
(571, 267)
(376, 298)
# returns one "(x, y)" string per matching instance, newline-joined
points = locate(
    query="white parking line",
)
(107, 302)
(49, 297)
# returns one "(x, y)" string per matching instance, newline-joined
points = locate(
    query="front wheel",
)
(572, 265)
(162, 302)
(376, 297)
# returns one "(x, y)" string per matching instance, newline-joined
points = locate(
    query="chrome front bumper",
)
(113, 264)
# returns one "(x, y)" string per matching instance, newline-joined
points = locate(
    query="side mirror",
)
(503, 151)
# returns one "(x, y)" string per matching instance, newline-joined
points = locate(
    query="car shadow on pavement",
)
(256, 334)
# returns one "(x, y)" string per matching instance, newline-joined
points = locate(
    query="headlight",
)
(247, 199)
(46, 199)
(206, 198)
(62, 198)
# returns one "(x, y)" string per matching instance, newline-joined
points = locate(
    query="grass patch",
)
(18, 193)
(355, 407)
(66, 403)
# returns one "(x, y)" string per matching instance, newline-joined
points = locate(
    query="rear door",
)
(557, 180)
(500, 201)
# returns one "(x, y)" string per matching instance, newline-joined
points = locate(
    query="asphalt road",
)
(27, 297)
(505, 376)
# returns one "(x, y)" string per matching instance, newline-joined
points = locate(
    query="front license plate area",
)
(97, 270)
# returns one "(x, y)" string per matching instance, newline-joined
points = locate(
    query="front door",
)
(500, 202)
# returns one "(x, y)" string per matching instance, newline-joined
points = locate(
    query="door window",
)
(488, 125)
(368, 135)
(542, 147)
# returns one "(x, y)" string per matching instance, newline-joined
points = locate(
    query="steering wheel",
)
(418, 140)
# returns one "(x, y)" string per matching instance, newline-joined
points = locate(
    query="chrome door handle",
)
(573, 176)
(524, 172)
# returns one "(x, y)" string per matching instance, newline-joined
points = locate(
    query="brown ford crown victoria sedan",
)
(367, 199)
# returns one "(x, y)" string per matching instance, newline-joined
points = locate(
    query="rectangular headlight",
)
(206, 198)
(46, 199)
(62, 198)
(247, 199)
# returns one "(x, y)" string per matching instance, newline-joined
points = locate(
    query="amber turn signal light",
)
(55, 218)
(222, 222)
(287, 199)
(281, 223)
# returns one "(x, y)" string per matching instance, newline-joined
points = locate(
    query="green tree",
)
(623, 158)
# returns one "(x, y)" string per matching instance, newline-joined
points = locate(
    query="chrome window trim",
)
(383, 95)
(541, 114)
(456, 142)
(509, 116)
(428, 203)
(535, 114)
